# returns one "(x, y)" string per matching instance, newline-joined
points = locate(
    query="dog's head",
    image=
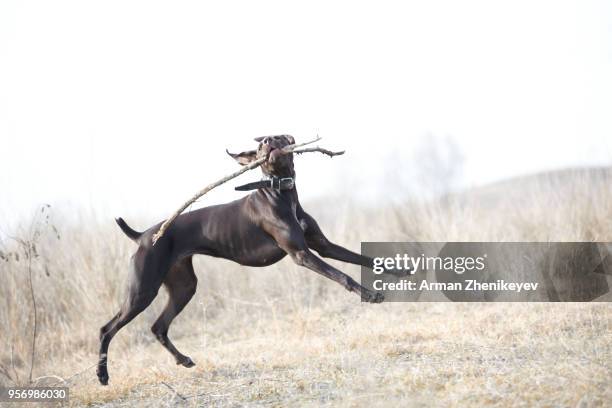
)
(278, 164)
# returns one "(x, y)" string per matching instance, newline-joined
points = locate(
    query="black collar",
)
(277, 183)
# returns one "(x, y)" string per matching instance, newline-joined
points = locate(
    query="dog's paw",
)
(103, 378)
(186, 362)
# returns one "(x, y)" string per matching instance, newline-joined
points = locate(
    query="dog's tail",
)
(127, 230)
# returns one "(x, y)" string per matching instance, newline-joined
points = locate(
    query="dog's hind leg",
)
(145, 281)
(132, 307)
(181, 284)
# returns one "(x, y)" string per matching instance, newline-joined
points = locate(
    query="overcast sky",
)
(126, 107)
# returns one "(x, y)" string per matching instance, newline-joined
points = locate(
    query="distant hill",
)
(523, 189)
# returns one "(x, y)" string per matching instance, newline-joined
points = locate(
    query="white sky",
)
(126, 107)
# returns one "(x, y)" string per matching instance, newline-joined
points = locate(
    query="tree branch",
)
(203, 191)
(320, 150)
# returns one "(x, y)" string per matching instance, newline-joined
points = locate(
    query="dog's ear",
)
(260, 138)
(290, 139)
(244, 158)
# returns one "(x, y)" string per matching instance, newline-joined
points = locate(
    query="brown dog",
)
(256, 230)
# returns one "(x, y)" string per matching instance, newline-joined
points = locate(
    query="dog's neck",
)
(274, 176)
(285, 194)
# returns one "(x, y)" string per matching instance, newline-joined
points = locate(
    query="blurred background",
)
(126, 108)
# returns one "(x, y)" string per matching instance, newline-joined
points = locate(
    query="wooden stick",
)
(203, 191)
(320, 150)
(250, 166)
(291, 148)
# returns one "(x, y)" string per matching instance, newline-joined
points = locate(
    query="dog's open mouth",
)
(274, 153)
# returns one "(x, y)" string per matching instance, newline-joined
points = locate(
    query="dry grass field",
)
(283, 336)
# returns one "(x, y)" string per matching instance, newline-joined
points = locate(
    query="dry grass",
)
(283, 336)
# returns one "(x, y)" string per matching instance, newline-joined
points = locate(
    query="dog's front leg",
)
(291, 239)
(328, 249)
(318, 241)
(306, 258)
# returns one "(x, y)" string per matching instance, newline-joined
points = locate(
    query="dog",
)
(259, 229)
